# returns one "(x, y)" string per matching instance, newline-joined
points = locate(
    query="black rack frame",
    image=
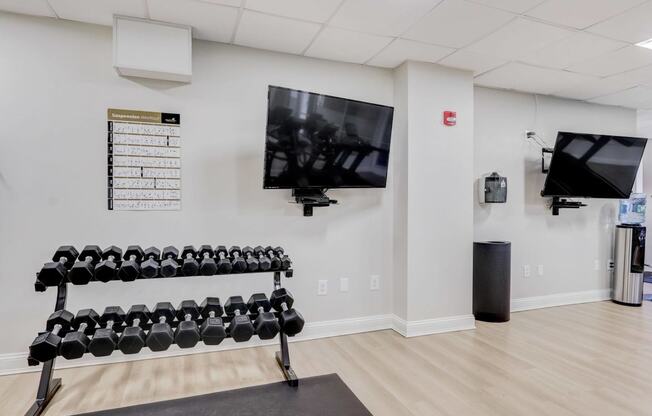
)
(48, 385)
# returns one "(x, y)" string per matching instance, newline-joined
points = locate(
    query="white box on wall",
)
(148, 49)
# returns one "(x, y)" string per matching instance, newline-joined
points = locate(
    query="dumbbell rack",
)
(48, 386)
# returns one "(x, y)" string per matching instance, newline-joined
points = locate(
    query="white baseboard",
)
(432, 326)
(560, 299)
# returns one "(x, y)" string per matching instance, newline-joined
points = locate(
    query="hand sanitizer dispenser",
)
(492, 189)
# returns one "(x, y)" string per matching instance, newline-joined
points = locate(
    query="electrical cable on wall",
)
(531, 134)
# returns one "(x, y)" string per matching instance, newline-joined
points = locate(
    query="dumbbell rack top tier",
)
(288, 272)
(49, 386)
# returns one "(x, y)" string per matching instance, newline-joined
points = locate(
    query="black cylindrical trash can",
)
(492, 280)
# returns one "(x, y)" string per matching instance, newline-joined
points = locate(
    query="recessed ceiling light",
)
(645, 44)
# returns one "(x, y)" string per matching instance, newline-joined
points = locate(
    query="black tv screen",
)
(593, 166)
(320, 141)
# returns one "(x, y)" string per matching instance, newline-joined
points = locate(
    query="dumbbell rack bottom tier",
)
(48, 386)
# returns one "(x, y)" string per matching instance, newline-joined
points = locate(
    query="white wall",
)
(567, 245)
(56, 82)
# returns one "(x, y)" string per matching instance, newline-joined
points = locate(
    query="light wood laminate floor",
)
(590, 359)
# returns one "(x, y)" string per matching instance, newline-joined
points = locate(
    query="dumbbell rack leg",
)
(48, 386)
(283, 356)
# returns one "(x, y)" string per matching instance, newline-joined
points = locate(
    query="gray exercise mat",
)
(316, 396)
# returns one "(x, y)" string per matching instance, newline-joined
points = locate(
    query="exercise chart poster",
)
(144, 160)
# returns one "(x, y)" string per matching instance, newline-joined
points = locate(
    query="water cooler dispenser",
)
(629, 264)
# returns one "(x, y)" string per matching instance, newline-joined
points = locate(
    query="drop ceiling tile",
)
(632, 26)
(522, 77)
(381, 17)
(471, 61)
(31, 7)
(233, 3)
(519, 38)
(592, 88)
(456, 23)
(639, 76)
(347, 46)
(576, 48)
(312, 10)
(621, 60)
(515, 6)
(209, 21)
(580, 14)
(637, 97)
(402, 50)
(258, 30)
(97, 11)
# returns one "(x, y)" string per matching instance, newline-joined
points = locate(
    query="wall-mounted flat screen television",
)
(593, 166)
(320, 141)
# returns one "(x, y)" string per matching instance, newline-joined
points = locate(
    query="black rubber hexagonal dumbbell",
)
(75, 344)
(276, 261)
(150, 267)
(190, 266)
(107, 269)
(285, 260)
(82, 272)
(224, 265)
(264, 263)
(207, 267)
(130, 268)
(187, 333)
(54, 272)
(169, 264)
(46, 346)
(266, 325)
(252, 261)
(290, 319)
(160, 336)
(132, 339)
(105, 339)
(241, 329)
(212, 330)
(238, 262)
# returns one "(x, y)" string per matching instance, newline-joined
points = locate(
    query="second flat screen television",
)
(593, 166)
(320, 141)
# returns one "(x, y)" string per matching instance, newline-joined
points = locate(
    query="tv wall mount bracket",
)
(310, 198)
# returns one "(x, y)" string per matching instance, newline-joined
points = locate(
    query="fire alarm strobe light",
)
(450, 118)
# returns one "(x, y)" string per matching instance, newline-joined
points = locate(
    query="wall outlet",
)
(596, 265)
(322, 288)
(374, 283)
(526, 271)
(610, 264)
(344, 284)
(540, 269)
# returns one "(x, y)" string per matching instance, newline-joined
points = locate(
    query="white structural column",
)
(433, 208)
